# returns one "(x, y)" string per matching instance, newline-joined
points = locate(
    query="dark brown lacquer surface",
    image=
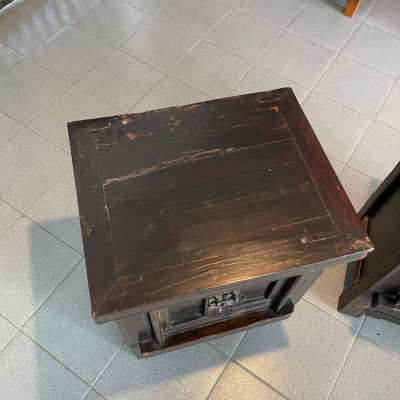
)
(184, 200)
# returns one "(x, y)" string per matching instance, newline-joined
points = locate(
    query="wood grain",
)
(188, 200)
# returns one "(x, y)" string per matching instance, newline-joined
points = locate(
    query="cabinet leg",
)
(351, 7)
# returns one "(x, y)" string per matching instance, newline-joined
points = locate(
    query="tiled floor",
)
(64, 60)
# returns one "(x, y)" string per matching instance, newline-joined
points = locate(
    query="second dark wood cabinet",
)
(372, 285)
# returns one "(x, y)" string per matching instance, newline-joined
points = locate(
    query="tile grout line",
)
(131, 110)
(203, 38)
(71, 24)
(339, 52)
(261, 380)
(20, 329)
(16, 331)
(26, 126)
(62, 28)
(101, 373)
(14, 222)
(386, 350)
(373, 120)
(75, 85)
(24, 215)
(188, 51)
(232, 360)
(379, 180)
(218, 378)
(344, 54)
(263, 52)
(48, 296)
(347, 107)
(54, 358)
(167, 74)
(53, 234)
(331, 315)
(225, 366)
(396, 35)
(342, 367)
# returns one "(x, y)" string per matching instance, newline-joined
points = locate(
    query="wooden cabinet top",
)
(193, 199)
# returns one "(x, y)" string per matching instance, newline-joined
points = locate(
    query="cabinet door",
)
(227, 305)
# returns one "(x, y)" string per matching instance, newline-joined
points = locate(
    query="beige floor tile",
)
(237, 384)
(25, 25)
(338, 128)
(389, 113)
(378, 151)
(64, 323)
(64, 12)
(211, 69)
(244, 35)
(8, 216)
(30, 167)
(169, 92)
(289, 355)
(232, 3)
(194, 16)
(57, 212)
(384, 333)
(33, 263)
(259, 79)
(93, 395)
(228, 344)
(323, 25)
(386, 15)
(120, 80)
(159, 44)
(276, 12)
(376, 48)
(8, 128)
(182, 374)
(74, 105)
(111, 21)
(369, 373)
(29, 373)
(8, 59)
(7, 331)
(18, 86)
(71, 54)
(325, 295)
(359, 187)
(337, 165)
(355, 85)
(297, 59)
(150, 6)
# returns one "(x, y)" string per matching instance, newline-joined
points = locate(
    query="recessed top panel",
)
(188, 199)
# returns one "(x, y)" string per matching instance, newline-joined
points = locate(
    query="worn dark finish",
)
(182, 208)
(373, 284)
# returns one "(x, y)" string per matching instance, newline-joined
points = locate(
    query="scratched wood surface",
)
(185, 200)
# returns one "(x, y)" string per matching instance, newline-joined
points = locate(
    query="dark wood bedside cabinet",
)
(206, 219)
(372, 285)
